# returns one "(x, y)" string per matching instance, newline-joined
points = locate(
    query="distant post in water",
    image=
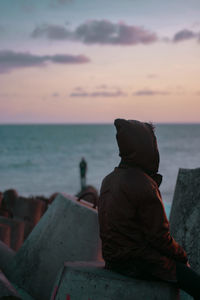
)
(83, 171)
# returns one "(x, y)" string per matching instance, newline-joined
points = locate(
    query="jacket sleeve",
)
(155, 226)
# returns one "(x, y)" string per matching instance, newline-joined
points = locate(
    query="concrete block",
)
(185, 214)
(90, 281)
(53, 197)
(28, 227)
(17, 231)
(5, 233)
(6, 257)
(5, 213)
(28, 209)
(23, 294)
(6, 288)
(68, 231)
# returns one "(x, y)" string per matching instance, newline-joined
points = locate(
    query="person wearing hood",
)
(134, 228)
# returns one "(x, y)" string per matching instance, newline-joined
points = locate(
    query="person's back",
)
(120, 209)
(133, 225)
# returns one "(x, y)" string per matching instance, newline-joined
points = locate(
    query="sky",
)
(91, 61)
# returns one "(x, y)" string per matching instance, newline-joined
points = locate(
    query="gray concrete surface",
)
(16, 232)
(68, 231)
(89, 281)
(6, 288)
(22, 293)
(6, 257)
(185, 216)
(5, 233)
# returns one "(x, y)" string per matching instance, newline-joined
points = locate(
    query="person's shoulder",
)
(108, 177)
(138, 180)
(106, 182)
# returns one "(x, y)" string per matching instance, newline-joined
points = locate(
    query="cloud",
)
(149, 92)
(184, 34)
(52, 32)
(98, 94)
(101, 32)
(10, 60)
(105, 32)
(67, 59)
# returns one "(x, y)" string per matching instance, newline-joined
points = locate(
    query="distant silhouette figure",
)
(83, 171)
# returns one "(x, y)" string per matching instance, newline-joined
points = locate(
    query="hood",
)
(137, 144)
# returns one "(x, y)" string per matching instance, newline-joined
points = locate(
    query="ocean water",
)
(43, 159)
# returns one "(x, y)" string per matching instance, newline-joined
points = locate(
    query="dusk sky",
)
(91, 61)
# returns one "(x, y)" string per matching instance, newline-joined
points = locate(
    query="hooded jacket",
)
(132, 218)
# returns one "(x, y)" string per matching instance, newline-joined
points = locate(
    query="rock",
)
(90, 281)
(68, 231)
(16, 231)
(5, 234)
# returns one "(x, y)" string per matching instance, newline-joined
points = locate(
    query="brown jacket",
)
(133, 223)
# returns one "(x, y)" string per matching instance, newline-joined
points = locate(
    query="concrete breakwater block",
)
(90, 281)
(5, 232)
(68, 231)
(29, 209)
(6, 288)
(6, 257)
(16, 231)
(185, 214)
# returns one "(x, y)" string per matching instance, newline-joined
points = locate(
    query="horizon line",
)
(95, 123)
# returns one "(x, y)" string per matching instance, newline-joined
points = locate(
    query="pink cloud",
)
(10, 60)
(101, 32)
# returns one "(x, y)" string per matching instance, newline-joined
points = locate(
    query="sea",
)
(44, 159)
